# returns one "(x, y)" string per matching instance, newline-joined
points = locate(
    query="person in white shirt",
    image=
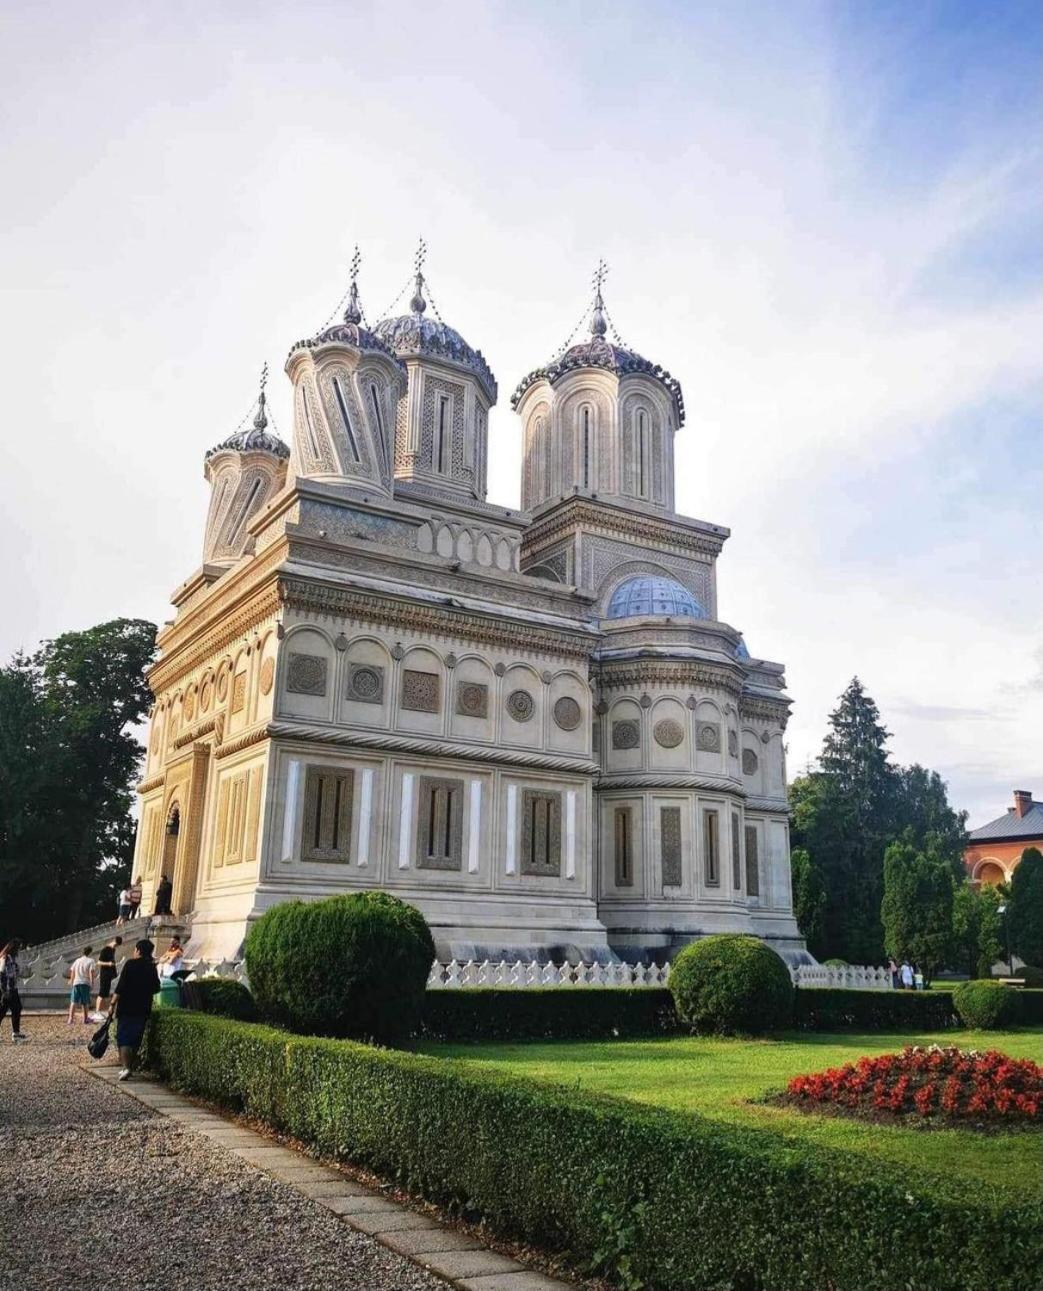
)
(172, 961)
(124, 903)
(907, 975)
(82, 974)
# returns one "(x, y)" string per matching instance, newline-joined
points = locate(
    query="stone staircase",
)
(44, 984)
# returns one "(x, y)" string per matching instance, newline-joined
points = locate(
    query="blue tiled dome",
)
(649, 594)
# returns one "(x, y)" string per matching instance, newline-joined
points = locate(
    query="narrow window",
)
(327, 814)
(443, 423)
(711, 850)
(541, 832)
(642, 453)
(439, 826)
(670, 846)
(586, 448)
(244, 511)
(753, 880)
(624, 845)
(736, 858)
(385, 447)
(348, 428)
(310, 426)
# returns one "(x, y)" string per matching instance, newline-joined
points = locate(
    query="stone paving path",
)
(129, 1183)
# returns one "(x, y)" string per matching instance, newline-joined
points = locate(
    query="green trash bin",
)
(169, 994)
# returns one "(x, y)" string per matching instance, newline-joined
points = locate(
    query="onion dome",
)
(413, 335)
(258, 439)
(649, 594)
(597, 352)
(350, 330)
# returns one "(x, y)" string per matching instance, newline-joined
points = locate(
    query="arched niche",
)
(521, 710)
(422, 689)
(670, 735)
(307, 673)
(365, 692)
(568, 700)
(472, 699)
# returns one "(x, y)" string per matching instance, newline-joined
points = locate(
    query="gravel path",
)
(101, 1192)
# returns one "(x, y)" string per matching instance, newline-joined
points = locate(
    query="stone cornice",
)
(465, 625)
(760, 708)
(153, 782)
(193, 733)
(585, 513)
(661, 672)
(242, 741)
(419, 746)
(191, 652)
(775, 806)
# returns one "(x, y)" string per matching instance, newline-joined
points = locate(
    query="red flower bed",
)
(940, 1083)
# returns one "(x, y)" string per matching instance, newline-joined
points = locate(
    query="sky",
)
(823, 218)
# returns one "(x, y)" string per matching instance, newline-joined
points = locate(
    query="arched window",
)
(385, 445)
(586, 446)
(641, 450)
(309, 425)
(539, 462)
(443, 433)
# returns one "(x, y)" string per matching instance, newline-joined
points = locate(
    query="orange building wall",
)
(995, 862)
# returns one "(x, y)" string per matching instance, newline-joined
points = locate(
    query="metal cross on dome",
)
(600, 274)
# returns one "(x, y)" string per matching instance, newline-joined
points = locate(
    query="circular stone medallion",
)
(222, 686)
(267, 676)
(471, 696)
(567, 713)
(365, 682)
(189, 706)
(668, 733)
(206, 695)
(521, 705)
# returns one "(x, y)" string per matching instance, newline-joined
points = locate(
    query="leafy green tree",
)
(68, 760)
(1025, 907)
(916, 910)
(844, 815)
(922, 812)
(809, 899)
(990, 929)
(966, 929)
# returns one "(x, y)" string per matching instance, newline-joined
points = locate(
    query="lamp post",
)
(1001, 909)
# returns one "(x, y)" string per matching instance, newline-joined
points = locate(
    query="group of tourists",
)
(128, 903)
(906, 976)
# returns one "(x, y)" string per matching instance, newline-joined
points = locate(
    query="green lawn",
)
(718, 1078)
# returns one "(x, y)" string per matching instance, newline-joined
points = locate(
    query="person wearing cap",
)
(132, 1003)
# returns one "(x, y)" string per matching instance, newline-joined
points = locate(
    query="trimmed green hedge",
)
(731, 984)
(680, 1202)
(986, 1005)
(548, 1013)
(827, 1009)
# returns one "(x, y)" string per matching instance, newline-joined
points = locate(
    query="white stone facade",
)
(533, 724)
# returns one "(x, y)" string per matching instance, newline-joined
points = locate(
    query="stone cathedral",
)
(533, 724)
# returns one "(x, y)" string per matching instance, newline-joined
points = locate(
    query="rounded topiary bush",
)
(347, 966)
(731, 983)
(984, 1005)
(1031, 976)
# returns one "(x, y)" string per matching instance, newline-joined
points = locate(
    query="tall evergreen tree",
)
(923, 813)
(916, 910)
(845, 815)
(809, 899)
(1025, 907)
(68, 759)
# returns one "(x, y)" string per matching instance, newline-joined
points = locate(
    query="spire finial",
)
(418, 304)
(353, 313)
(598, 326)
(261, 420)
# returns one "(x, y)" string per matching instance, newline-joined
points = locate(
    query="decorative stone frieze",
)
(521, 705)
(306, 674)
(668, 733)
(626, 734)
(708, 737)
(472, 699)
(267, 677)
(365, 684)
(567, 713)
(421, 691)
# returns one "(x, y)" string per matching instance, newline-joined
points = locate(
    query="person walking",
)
(134, 893)
(106, 976)
(81, 974)
(164, 890)
(132, 1003)
(892, 968)
(918, 978)
(122, 907)
(10, 1000)
(907, 975)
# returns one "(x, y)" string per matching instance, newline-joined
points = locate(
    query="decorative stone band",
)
(153, 782)
(194, 733)
(665, 672)
(243, 741)
(184, 647)
(611, 521)
(381, 742)
(673, 780)
(770, 805)
(466, 626)
(765, 710)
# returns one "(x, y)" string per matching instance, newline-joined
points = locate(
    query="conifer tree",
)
(1025, 908)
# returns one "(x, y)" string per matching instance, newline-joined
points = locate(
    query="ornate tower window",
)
(736, 856)
(309, 425)
(711, 849)
(642, 453)
(327, 815)
(586, 447)
(753, 881)
(385, 447)
(440, 825)
(349, 430)
(442, 435)
(624, 848)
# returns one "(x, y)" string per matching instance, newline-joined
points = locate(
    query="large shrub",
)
(830, 1009)
(219, 995)
(731, 983)
(680, 1201)
(346, 966)
(985, 1005)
